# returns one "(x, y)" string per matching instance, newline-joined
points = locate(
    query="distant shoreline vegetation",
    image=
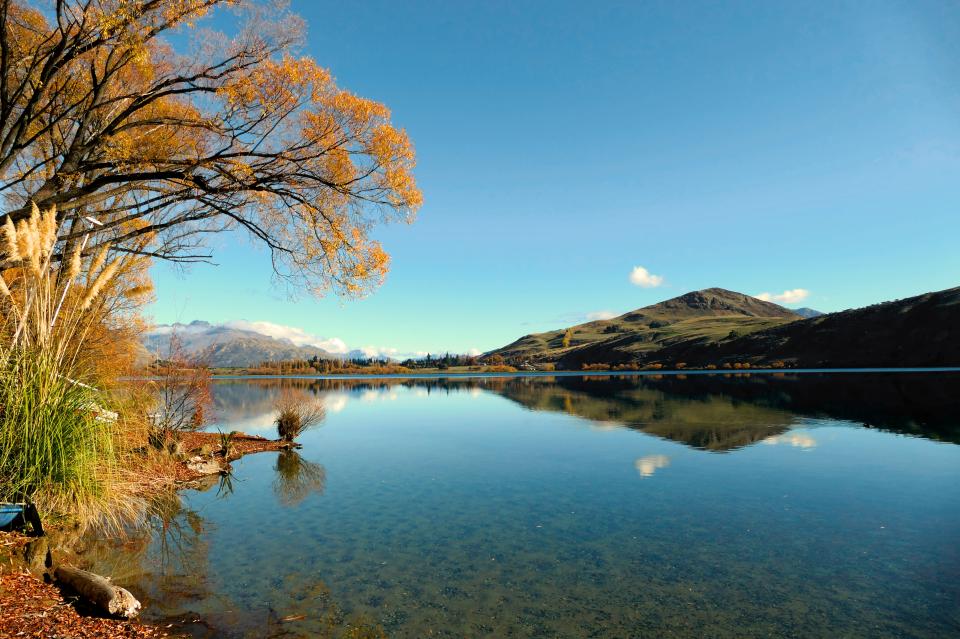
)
(224, 374)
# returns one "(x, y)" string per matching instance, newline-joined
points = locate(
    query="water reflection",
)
(297, 478)
(164, 561)
(717, 412)
(648, 465)
(797, 439)
(167, 563)
(534, 507)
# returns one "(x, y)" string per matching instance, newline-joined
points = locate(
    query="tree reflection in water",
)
(297, 478)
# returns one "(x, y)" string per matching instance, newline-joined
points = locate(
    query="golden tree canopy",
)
(101, 116)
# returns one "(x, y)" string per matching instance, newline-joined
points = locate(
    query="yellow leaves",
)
(359, 113)
(390, 145)
(277, 84)
(157, 140)
(241, 131)
(184, 12)
(338, 166)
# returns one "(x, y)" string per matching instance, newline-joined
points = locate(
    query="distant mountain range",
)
(717, 326)
(226, 347)
(712, 326)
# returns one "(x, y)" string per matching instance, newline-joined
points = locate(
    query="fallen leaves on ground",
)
(30, 608)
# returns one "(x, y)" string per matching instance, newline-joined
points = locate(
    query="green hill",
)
(916, 331)
(711, 314)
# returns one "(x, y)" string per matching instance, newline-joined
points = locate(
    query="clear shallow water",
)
(722, 506)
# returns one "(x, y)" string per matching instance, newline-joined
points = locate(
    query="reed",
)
(59, 442)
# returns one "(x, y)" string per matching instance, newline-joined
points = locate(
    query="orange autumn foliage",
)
(99, 115)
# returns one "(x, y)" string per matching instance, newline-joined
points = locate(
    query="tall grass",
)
(54, 449)
(58, 440)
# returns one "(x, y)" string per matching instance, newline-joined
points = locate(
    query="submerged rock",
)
(205, 465)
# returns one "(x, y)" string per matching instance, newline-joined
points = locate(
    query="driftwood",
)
(99, 591)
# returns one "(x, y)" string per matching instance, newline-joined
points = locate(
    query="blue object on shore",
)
(9, 512)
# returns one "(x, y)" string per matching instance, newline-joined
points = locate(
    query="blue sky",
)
(760, 147)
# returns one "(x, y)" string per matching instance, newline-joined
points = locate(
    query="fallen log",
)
(98, 591)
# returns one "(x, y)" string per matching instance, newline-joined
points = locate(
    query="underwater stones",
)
(204, 466)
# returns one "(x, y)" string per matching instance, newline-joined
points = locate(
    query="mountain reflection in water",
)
(741, 505)
(715, 412)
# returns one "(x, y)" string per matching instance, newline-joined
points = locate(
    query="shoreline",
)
(33, 606)
(595, 373)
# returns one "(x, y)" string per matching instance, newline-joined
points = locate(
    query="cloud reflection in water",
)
(650, 464)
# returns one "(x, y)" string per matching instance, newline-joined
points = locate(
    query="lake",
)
(787, 505)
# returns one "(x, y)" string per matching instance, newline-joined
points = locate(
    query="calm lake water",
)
(621, 506)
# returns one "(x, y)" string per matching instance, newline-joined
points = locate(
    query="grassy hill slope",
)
(917, 331)
(710, 314)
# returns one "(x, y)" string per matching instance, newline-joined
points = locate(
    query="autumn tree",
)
(146, 148)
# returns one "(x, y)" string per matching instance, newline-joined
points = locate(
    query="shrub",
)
(182, 390)
(296, 412)
(226, 443)
(595, 367)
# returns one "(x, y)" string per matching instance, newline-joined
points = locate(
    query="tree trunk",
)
(99, 591)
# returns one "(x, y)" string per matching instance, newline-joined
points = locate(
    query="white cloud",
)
(644, 278)
(600, 315)
(791, 296)
(378, 351)
(297, 336)
(474, 352)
